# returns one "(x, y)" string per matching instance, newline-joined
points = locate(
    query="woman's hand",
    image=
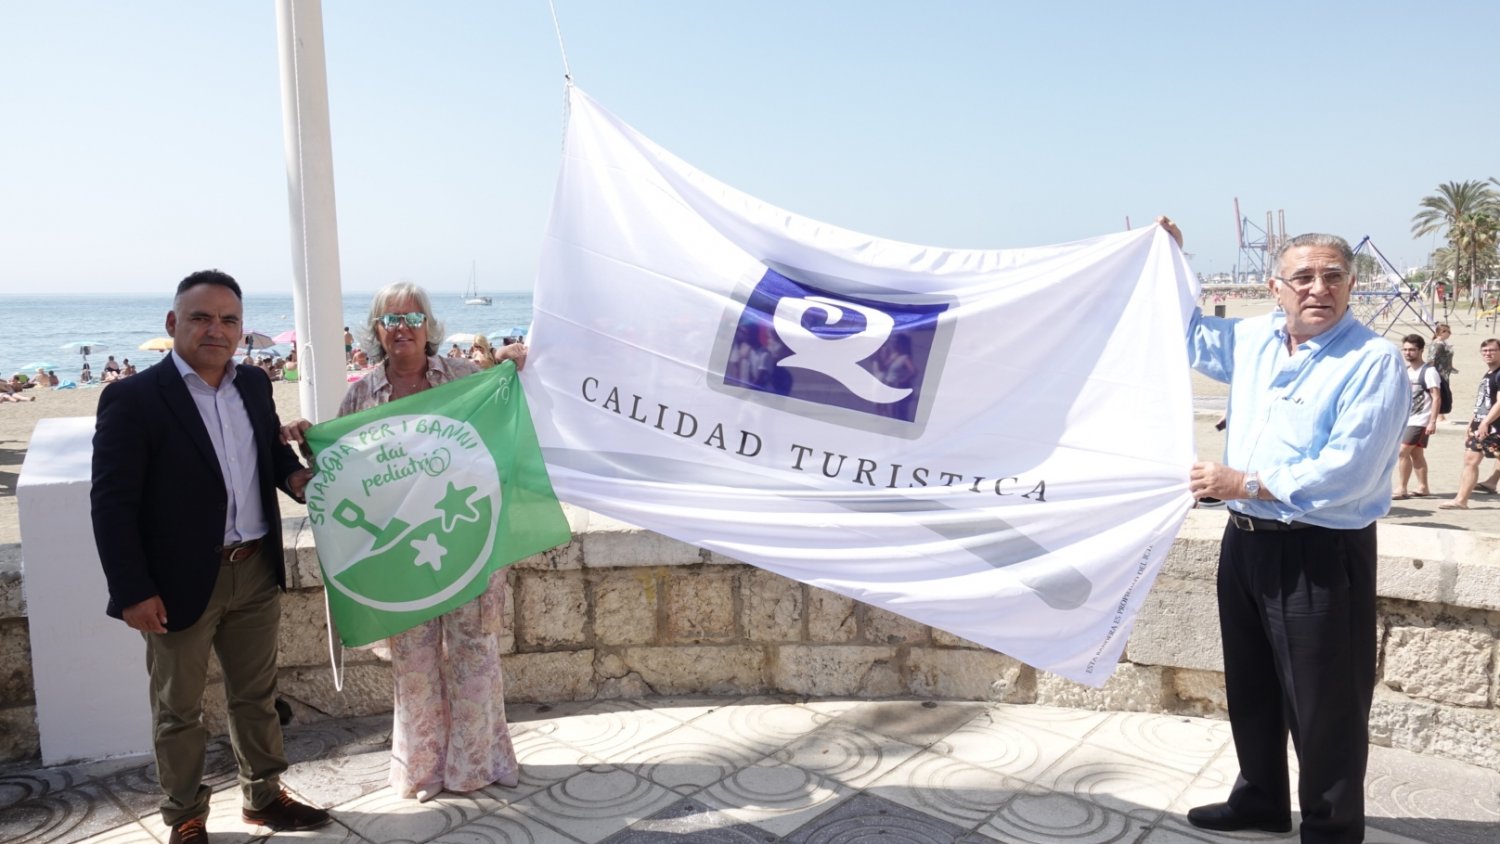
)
(513, 352)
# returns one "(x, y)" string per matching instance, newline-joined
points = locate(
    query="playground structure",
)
(1388, 301)
(1391, 302)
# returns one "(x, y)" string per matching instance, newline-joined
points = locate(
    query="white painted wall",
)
(90, 669)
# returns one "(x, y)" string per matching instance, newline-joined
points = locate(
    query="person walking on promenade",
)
(1440, 355)
(450, 732)
(1426, 398)
(1484, 429)
(1319, 403)
(185, 471)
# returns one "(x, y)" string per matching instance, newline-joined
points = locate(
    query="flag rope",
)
(567, 72)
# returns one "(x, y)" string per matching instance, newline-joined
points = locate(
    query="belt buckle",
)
(241, 552)
(1242, 522)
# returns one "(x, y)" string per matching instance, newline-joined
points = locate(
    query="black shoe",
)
(189, 832)
(1218, 816)
(286, 815)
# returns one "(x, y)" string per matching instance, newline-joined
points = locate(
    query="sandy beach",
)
(1445, 453)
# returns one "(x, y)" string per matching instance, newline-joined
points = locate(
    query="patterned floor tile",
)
(543, 762)
(914, 722)
(525, 718)
(947, 788)
(1179, 835)
(1432, 799)
(1068, 723)
(774, 797)
(72, 814)
(609, 731)
(868, 818)
(505, 826)
(762, 726)
(687, 708)
(340, 778)
(596, 803)
(133, 833)
(1004, 746)
(687, 759)
(19, 785)
(829, 707)
(987, 773)
(24, 781)
(1183, 743)
(690, 821)
(337, 737)
(853, 757)
(384, 817)
(1116, 781)
(1051, 818)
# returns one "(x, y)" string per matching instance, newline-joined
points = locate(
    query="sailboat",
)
(471, 293)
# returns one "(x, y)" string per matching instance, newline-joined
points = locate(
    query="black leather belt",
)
(1252, 524)
(240, 551)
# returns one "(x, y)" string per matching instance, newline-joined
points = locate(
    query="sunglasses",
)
(413, 319)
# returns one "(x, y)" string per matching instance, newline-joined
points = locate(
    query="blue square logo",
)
(856, 353)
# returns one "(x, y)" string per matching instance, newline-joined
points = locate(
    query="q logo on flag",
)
(854, 360)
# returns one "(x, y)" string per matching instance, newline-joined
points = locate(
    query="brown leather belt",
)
(240, 551)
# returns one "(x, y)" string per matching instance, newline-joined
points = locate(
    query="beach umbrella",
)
(86, 346)
(499, 335)
(462, 338)
(39, 364)
(287, 336)
(256, 340)
(156, 344)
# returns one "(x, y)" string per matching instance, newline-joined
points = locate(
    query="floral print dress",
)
(450, 732)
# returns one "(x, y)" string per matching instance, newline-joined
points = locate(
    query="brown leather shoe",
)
(286, 815)
(189, 832)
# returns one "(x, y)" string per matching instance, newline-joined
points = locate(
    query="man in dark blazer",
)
(186, 466)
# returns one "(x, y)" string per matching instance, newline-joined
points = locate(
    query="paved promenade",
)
(759, 770)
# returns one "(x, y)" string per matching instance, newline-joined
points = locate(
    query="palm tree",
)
(1467, 210)
(1475, 237)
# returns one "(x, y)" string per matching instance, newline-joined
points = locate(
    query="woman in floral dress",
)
(450, 732)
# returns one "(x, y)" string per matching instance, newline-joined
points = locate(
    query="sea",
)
(39, 329)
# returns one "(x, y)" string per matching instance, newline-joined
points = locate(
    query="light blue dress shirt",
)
(228, 423)
(1322, 426)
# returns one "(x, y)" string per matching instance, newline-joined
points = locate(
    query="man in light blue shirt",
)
(1317, 404)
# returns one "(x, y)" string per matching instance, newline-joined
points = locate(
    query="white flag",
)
(991, 442)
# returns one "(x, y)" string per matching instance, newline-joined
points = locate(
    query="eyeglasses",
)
(1304, 281)
(413, 320)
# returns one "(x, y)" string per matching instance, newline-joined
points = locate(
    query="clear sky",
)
(142, 140)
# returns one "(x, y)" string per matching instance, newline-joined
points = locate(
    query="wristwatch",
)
(1252, 485)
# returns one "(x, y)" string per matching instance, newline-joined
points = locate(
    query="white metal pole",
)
(316, 291)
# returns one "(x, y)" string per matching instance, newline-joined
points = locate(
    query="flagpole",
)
(316, 289)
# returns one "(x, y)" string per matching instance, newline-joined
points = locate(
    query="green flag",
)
(416, 502)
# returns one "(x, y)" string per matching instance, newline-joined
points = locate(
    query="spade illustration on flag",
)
(416, 502)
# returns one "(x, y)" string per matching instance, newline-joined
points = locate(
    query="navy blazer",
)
(158, 500)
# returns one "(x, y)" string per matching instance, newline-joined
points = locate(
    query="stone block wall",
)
(624, 613)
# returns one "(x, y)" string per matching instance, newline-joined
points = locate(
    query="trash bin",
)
(1218, 310)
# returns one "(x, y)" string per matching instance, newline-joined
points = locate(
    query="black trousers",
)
(1297, 615)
